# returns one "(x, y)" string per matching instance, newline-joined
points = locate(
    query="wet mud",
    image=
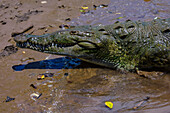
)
(40, 82)
(8, 50)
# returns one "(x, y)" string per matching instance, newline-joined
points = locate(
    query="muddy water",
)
(85, 89)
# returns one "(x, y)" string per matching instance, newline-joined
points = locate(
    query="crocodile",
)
(128, 45)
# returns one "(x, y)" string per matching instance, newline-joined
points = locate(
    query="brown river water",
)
(86, 88)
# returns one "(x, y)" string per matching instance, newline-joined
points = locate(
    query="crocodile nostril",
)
(74, 32)
(101, 29)
(118, 27)
(123, 36)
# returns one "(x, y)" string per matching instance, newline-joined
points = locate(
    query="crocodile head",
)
(84, 45)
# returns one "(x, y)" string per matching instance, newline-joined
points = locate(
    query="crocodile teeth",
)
(52, 44)
(27, 45)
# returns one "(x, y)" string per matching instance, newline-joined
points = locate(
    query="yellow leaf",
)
(84, 7)
(109, 104)
(119, 17)
(82, 11)
(42, 77)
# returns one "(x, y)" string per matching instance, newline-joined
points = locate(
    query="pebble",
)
(50, 85)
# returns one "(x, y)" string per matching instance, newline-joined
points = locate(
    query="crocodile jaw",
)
(84, 50)
(72, 48)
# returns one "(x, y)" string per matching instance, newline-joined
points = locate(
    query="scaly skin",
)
(126, 46)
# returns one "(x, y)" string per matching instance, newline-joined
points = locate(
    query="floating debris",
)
(141, 103)
(67, 19)
(32, 85)
(44, 75)
(8, 99)
(3, 23)
(43, 2)
(100, 6)
(65, 74)
(64, 26)
(41, 77)
(109, 104)
(84, 10)
(85, 7)
(62, 6)
(35, 96)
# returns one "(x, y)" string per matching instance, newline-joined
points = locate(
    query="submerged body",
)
(126, 46)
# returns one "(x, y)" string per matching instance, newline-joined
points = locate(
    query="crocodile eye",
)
(101, 29)
(128, 20)
(73, 32)
(123, 36)
(166, 30)
(131, 26)
(116, 22)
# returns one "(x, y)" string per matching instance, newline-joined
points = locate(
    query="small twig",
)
(25, 30)
(141, 103)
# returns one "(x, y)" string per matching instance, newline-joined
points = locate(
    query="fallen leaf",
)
(43, 76)
(119, 17)
(84, 7)
(9, 99)
(109, 104)
(82, 11)
(35, 96)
